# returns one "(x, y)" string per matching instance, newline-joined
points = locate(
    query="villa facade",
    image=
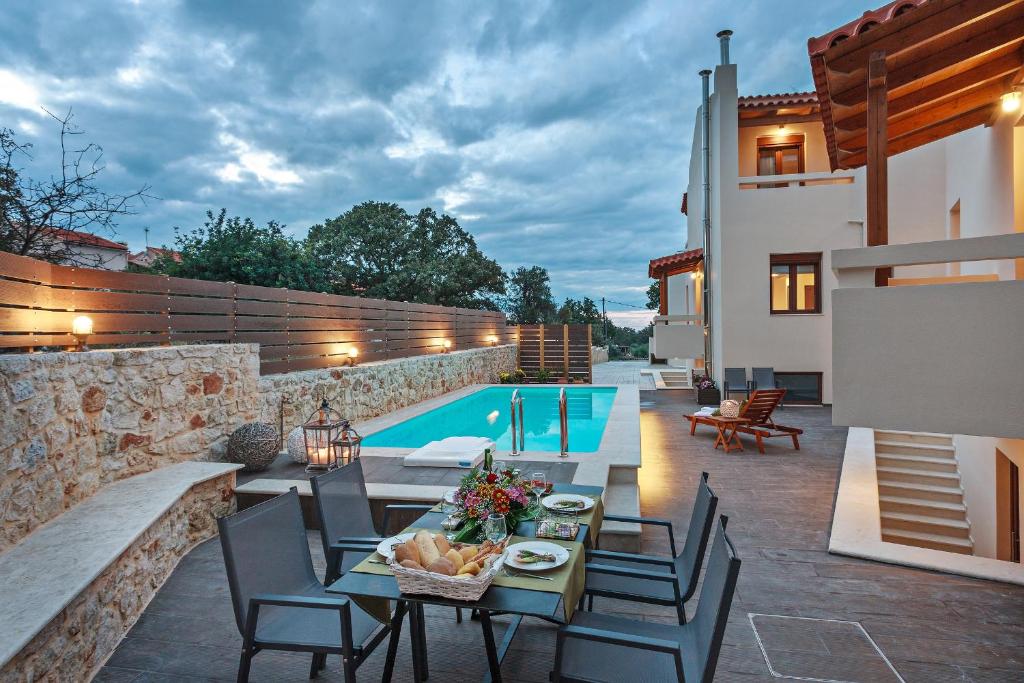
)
(934, 347)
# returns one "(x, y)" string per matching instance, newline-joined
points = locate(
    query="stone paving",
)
(933, 627)
(623, 372)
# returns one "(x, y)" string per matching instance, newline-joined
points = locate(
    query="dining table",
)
(372, 586)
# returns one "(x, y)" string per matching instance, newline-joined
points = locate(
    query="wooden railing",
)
(564, 350)
(296, 330)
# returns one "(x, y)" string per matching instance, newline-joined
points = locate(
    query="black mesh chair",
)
(599, 647)
(736, 380)
(764, 378)
(668, 581)
(346, 522)
(279, 602)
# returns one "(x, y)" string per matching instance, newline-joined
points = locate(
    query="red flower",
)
(492, 477)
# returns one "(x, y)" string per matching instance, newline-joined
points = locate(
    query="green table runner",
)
(569, 579)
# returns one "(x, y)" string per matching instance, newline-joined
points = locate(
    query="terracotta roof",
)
(786, 99)
(816, 46)
(679, 262)
(86, 239)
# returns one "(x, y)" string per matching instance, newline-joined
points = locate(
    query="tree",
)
(38, 218)
(576, 311)
(377, 249)
(654, 296)
(237, 250)
(529, 299)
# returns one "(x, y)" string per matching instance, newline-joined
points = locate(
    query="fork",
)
(515, 574)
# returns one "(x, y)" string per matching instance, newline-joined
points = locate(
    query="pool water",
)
(486, 413)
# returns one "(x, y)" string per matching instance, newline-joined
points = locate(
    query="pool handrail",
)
(563, 423)
(517, 400)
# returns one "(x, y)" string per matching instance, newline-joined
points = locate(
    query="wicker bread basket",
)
(729, 408)
(420, 581)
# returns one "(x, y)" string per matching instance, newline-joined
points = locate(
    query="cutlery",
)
(524, 575)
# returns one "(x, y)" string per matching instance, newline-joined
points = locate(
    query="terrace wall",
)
(72, 422)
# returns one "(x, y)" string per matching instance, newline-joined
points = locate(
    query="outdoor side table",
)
(727, 438)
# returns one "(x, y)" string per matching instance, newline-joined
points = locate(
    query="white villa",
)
(784, 225)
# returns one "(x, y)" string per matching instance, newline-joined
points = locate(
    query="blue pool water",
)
(486, 413)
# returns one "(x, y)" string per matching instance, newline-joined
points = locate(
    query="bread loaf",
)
(470, 568)
(425, 544)
(454, 557)
(441, 566)
(442, 544)
(409, 564)
(407, 551)
(467, 552)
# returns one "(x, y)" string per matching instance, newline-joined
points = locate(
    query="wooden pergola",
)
(910, 73)
(661, 269)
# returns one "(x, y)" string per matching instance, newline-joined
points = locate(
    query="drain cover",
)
(821, 650)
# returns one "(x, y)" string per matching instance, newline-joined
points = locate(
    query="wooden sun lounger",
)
(756, 419)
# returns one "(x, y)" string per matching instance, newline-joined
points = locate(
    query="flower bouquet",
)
(482, 493)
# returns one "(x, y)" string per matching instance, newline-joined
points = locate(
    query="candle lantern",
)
(319, 432)
(347, 445)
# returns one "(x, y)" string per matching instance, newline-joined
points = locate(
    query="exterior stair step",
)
(917, 462)
(934, 541)
(916, 506)
(888, 474)
(913, 437)
(942, 494)
(911, 448)
(925, 524)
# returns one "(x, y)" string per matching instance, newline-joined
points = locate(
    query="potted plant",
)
(707, 391)
(519, 376)
(505, 377)
(543, 376)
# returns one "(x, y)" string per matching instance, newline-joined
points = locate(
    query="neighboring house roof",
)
(867, 21)
(85, 239)
(680, 262)
(773, 101)
(144, 258)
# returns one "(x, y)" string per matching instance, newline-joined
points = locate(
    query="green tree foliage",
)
(528, 299)
(579, 311)
(654, 296)
(237, 250)
(377, 249)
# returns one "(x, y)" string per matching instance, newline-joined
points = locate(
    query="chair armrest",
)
(402, 506)
(647, 520)
(360, 540)
(615, 638)
(271, 599)
(630, 573)
(630, 557)
(356, 548)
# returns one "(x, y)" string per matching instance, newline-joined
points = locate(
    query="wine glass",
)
(500, 467)
(538, 484)
(494, 528)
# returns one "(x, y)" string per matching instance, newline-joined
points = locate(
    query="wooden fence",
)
(564, 350)
(296, 330)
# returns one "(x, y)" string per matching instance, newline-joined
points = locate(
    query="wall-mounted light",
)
(81, 328)
(446, 346)
(1011, 101)
(353, 354)
(492, 340)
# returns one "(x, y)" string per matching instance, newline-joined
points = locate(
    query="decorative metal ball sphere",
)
(296, 446)
(253, 445)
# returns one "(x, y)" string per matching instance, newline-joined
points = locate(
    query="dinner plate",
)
(551, 502)
(561, 555)
(449, 496)
(385, 547)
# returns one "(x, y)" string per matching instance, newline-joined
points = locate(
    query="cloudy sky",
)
(558, 133)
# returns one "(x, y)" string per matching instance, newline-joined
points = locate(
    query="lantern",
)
(318, 432)
(346, 446)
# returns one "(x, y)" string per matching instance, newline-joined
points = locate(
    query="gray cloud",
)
(557, 132)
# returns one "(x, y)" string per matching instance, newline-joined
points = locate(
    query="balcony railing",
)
(945, 358)
(763, 182)
(677, 336)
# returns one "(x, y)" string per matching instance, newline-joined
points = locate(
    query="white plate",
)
(561, 555)
(449, 496)
(384, 547)
(551, 501)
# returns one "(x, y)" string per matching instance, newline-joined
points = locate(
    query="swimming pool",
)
(486, 413)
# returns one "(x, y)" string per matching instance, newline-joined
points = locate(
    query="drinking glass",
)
(500, 467)
(494, 528)
(538, 484)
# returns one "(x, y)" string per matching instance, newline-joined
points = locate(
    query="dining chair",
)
(736, 380)
(652, 579)
(278, 600)
(600, 647)
(764, 378)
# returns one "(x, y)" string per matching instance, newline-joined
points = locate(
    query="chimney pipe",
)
(723, 40)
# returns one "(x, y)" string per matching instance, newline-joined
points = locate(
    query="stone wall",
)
(71, 422)
(366, 391)
(85, 633)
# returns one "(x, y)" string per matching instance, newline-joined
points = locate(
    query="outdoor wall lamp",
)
(492, 340)
(353, 354)
(1011, 101)
(446, 346)
(81, 328)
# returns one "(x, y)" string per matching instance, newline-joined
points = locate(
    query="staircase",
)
(919, 493)
(675, 379)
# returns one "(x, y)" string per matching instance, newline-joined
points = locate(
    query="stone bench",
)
(72, 588)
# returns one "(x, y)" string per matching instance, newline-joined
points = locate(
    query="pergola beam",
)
(877, 170)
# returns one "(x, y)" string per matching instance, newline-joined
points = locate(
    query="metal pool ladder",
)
(517, 400)
(563, 423)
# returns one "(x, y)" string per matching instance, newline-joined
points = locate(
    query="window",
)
(795, 283)
(780, 155)
(801, 387)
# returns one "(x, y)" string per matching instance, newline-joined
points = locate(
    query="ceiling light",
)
(1011, 101)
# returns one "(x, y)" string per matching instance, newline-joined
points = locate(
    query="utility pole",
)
(146, 230)
(604, 322)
